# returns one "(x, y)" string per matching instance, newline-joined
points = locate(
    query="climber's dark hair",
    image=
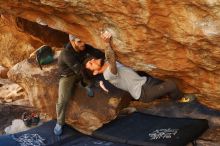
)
(86, 73)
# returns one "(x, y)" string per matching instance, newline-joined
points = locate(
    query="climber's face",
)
(94, 64)
(78, 45)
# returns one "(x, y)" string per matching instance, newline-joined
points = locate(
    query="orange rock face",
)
(14, 44)
(3, 72)
(174, 39)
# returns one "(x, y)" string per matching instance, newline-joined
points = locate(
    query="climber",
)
(141, 88)
(70, 62)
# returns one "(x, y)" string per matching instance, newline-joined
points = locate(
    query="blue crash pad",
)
(44, 136)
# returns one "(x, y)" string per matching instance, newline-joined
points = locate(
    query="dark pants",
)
(155, 88)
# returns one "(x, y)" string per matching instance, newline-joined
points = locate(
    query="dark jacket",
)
(70, 61)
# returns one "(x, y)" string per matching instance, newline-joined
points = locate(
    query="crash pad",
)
(144, 130)
(43, 136)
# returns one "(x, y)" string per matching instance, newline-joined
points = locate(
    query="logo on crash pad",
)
(30, 140)
(163, 133)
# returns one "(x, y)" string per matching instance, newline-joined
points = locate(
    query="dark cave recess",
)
(46, 34)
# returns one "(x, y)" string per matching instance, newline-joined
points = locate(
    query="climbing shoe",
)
(26, 119)
(30, 119)
(90, 92)
(58, 129)
(187, 98)
(35, 119)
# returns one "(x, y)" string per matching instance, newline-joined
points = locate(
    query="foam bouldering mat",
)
(44, 136)
(149, 130)
(89, 141)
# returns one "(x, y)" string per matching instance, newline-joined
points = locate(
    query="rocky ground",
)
(13, 103)
(12, 93)
(11, 112)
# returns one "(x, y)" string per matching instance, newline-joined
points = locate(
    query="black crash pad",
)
(135, 129)
(148, 130)
(44, 136)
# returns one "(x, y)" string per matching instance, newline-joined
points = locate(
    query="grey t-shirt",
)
(126, 79)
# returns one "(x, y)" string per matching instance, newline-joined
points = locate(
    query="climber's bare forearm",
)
(110, 56)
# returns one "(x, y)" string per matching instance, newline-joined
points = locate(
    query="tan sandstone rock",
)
(3, 72)
(10, 91)
(170, 38)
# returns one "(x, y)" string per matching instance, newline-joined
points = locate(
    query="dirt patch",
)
(11, 112)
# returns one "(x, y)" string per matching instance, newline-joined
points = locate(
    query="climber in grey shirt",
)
(125, 79)
(141, 88)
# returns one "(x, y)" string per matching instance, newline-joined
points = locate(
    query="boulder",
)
(84, 113)
(170, 38)
(10, 91)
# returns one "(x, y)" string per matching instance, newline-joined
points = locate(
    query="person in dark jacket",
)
(70, 63)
